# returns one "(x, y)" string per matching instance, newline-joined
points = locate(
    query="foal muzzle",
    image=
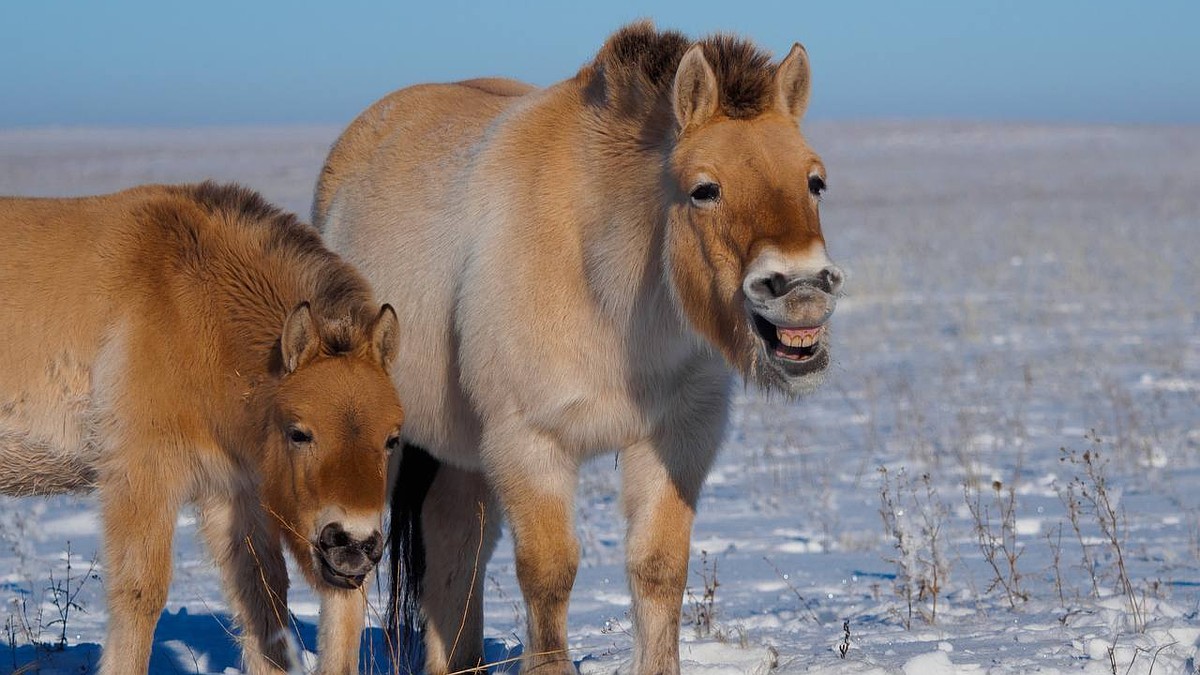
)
(345, 560)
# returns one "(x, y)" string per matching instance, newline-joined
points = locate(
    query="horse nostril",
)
(769, 287)
(332, 536)
(372, 547)
(831, 279)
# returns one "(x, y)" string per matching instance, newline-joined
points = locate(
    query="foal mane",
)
(635, 69)
(334, 290)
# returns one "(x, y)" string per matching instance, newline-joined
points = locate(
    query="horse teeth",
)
(799, 337)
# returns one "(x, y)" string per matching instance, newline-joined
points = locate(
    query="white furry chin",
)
(766, 372)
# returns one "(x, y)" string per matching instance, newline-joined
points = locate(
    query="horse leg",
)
(661, 481)
(536, 484)
(254, 575)
(342, 619)
(139, 504)
(462, 523)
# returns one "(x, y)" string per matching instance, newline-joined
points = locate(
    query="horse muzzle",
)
(789, 315)
(345, 560)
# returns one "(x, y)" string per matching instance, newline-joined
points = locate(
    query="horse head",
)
(336, 420)
(744, 248)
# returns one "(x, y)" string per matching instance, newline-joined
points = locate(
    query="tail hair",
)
(407, 547)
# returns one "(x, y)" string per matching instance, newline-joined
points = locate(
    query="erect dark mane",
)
(335, 290)
(641, 60)
(233, 200)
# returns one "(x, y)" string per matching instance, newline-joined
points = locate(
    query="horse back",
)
(411, 125)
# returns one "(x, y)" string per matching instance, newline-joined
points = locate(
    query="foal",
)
(175, 344)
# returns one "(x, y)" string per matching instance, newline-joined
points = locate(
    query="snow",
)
(1018, 296)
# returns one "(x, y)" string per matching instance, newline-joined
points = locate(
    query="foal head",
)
(744, 247)
(336, 420)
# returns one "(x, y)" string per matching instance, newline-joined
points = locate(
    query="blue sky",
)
(216, 62)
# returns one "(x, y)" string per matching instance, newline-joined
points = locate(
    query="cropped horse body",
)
(580, 269)
(175, 344)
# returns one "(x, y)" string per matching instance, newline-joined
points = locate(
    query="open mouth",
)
(791, 344)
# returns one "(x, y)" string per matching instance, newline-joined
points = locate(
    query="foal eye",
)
(299, 436)
(706, 194)
(393, 443)
(816, 185)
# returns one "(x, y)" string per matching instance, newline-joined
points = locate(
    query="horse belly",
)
(47, 429)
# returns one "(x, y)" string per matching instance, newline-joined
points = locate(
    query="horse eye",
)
(299, 436)
(393, 442)
(816, 185)
(706, 194)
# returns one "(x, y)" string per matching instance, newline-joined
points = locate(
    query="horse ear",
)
(792, 82)
(300, 342)
(385, 335)
(695, 95)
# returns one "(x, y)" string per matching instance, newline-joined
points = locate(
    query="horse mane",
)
(637, 65)
(279, 252)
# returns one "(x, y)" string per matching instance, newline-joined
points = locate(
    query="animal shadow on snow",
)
(206, 643)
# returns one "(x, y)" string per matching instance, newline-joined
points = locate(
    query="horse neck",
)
(624, 230)
(251, 296)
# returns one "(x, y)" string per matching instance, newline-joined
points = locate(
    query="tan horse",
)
(579, 268)
(167, 345)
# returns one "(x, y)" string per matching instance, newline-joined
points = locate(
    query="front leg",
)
(254, 575)
(343, 614)
(535, 481)
(139, 509)
(661, 481)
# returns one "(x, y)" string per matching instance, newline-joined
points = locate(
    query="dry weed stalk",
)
(999, 549)
(1089, 495)
(921, 564)
(1055, 544)
(702, 610)
(795, 591)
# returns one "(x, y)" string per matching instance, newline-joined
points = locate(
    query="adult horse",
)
(578, 269)
(194, 344)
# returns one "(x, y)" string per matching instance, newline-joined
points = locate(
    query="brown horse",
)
(166, 345)
(579, 269)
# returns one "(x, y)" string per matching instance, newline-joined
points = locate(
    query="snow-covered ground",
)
(1000, 475)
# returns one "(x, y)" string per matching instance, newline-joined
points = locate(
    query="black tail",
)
(417, 471)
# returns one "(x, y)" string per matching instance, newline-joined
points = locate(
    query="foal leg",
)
(343, 614)
(536, 484)
(254, 575)
(661, 481)
(461, 523)
(139, 504)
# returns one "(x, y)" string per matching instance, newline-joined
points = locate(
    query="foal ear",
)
(300, 342)
(792, 82)
(695, 95)
(385, 335)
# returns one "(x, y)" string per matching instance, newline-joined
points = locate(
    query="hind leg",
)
(254, 576)
(140, 500)
(461, 523)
